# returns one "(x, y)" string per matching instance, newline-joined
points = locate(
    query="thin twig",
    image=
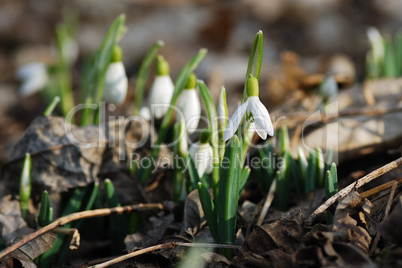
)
(158, 247)
(267, 203)
(76, 216)
(387, 209)
(355, 185)
(380, 188)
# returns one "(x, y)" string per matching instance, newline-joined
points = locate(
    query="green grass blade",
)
(245, 173)
(49, 110)
(66, 92)
(55, 254)
(25, 186)
(212, 118)
(143, 74)
(390, 65)
(284, 141)
(44, 210)
(331, 188)
(178, 88)
(192, 171)
(118, 223)
(310, 173)
(320, 167)
(229, 193)
(209, 209)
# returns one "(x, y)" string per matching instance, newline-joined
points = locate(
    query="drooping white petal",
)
(34, 77)
(160, 95)
(202, 157)
(235, 120)
(190, 108)
(256, 128)
(116, 83)
(145, 113)
(260, 115)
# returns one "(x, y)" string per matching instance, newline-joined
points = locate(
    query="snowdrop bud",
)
(145, 113)
(162, 67)
(328, 87)
(182, 145)
(252, 86)
(34, 77)
(116, 81)
(161, 89)
(201, 153)
(377, 44)
(222, 110)
(189, 105)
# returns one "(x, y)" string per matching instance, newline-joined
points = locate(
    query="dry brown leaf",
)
(391, 228)
(58, 165)
(284, 233)
(14, 228)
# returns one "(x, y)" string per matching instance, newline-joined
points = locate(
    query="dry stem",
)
(76, 216)
(157, 247)
(357, 184)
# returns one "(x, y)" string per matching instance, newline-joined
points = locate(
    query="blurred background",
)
(323, 36)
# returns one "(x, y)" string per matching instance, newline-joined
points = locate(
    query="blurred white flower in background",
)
(161, 90)
(34, 77)
(116, 82)
(189, 104)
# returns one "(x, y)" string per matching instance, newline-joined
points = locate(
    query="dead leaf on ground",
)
(14, 228)
(284, 233)
(391, 228)
(66, 156)
(152, 234)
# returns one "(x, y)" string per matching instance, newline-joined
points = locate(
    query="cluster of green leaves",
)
(81, 199)
(300, 175)
(229, 173)
(384, 59)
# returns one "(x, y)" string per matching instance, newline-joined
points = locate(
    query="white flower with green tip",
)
(116, 82)
(377, 43)
(254, 111)
(189, 105)
(161, 90)
(328, 87)
(34, 78)
(201, 153)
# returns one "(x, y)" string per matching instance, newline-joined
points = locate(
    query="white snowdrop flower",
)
(202, 155)
(34, 77)
(189, 105)
(116, 82)
(377, 43)
(145, 113)
(161, 90)
(328, 87)
(255, 112)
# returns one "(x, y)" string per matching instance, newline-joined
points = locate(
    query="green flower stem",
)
(143, 74)
(44, 210)
(66, 93)
(228, 196)
(101, 63)
(212, 117)
(49, 110)
(178, 88)
(25, 186)
(331, 187)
